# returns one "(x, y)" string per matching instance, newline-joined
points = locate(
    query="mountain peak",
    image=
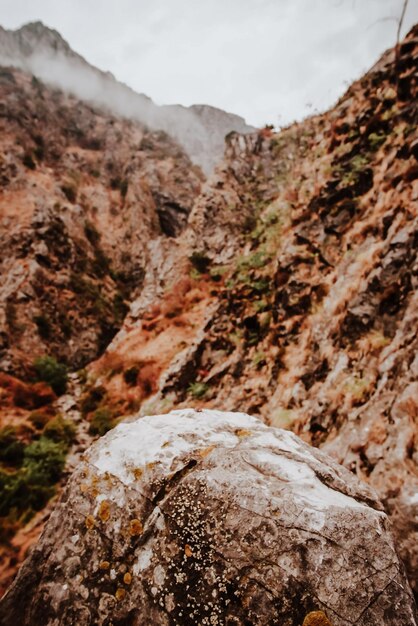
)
(35, 34)
(41, 51)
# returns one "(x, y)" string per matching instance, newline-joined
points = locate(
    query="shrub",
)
(40, 418)
(30, 488)
(11, 449)
(376, 140)
(200, 261)
(44, 326)
(120, 308)
(101, 422)
(130, 375)
(28, 161)
(91, 233)
(101, 263)
(198, 390)
(50, 371)
(91, 399)
(60, 430)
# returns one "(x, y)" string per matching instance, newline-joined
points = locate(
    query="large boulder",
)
(204, 517)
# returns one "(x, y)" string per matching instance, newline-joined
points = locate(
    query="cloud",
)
(268, 60)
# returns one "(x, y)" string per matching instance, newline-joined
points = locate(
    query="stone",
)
(208, 517)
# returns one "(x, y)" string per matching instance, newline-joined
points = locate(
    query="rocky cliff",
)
(40, 50)
(286, 288)
(82, 195)
(298, 296)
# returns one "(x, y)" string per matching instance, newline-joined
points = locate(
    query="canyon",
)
(282, 284)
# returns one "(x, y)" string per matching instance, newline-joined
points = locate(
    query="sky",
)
(271, 61)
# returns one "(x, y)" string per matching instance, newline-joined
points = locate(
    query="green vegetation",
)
(91, 399)
(218, 272)
(29, 488)
(48, 370)
(40, 418)
(257, 260)
(198, 390)
(355, 167)
(358, 387)
(376, 140)
(101, 422)
(29, 473)
(259, 359)
(60, 430)
(11, 449)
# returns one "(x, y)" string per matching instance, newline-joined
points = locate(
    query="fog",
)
(270, 61)
(45, 54)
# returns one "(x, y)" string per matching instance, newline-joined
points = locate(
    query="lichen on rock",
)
(217, 528)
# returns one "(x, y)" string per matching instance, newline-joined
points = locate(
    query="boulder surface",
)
(205, 517)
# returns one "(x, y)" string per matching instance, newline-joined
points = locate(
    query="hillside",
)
(199, 129)
(290, 293)
(68, 172)
(298, 296)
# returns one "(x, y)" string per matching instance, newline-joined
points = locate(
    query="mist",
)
(43, 53)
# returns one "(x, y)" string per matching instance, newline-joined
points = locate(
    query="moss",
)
(376, 140)
(259, 359)
(198, 390)
(283, 418)
(257, 260)
(316, 618)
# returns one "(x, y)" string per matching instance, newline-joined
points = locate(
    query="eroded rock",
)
(204, 517)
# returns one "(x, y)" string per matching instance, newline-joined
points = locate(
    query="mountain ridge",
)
(45, 53)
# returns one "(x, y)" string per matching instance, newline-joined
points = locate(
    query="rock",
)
(204, 517)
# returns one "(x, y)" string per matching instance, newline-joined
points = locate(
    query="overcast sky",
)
(271, 61)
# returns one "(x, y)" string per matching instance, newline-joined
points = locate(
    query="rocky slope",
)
(298, 296)
(40, 50)
(82, 195)
(291, 293)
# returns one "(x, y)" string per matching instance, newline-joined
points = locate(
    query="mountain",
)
(284, 286)
(82, 195)
(200, 129)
